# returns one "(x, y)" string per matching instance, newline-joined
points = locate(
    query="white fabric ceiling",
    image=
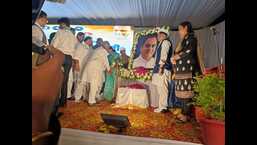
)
(137, 12)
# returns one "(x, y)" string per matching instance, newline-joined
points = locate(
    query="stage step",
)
(81, 137)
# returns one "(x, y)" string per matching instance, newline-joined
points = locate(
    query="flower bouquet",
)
(139, 73)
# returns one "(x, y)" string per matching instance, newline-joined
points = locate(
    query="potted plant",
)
(199, 113)
(210, 96)
(198, 100)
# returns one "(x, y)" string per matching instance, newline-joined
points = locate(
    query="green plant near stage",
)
(210, 95)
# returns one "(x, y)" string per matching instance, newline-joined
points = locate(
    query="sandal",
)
(181, 118)
(177, 111)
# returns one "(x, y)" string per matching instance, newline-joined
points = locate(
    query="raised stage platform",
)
(144, 122)
(82, 137)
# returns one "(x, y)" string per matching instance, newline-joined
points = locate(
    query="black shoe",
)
(59, 114)
(165, 111)
(62, 104)
(71, 98)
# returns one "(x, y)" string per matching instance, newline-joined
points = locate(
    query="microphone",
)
(213, 29)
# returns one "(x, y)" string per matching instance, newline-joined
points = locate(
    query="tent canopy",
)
(136, 12)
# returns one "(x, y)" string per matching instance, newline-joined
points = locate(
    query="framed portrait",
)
(143, 50)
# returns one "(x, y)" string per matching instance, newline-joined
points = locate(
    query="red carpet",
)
(144, 122)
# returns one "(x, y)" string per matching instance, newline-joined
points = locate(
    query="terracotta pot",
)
(199, 113)
(213, 131)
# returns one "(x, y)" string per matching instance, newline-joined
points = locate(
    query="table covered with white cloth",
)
(150, 92)
(130, 97)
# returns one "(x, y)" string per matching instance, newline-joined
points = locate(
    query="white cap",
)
(166, 31)
(122, 49)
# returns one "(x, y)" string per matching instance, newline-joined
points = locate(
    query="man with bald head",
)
(94, 71)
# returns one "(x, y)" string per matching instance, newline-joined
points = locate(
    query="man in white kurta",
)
(74, 75)
(162, 70)
(66, 42)
(83, 52)
(94, 70)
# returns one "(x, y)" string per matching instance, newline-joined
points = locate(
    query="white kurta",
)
(82, 53)
(141, 62)
(164, 53)
(66, 42)
(94, 72)
(161, 81)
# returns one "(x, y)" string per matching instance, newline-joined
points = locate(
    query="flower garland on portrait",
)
(138, 73)
(137, 35)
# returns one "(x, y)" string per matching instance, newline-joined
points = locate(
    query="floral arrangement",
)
(140, 73)
(136, 86)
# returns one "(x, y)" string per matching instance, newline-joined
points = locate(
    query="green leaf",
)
(210, 95)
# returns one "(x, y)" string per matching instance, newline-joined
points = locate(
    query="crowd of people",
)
(90, 71)
(84, 65)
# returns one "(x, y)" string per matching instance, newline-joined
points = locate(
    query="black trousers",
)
(67, 67)
(185, 105)
(55, 127)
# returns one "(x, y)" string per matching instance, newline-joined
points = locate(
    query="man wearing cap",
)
(124, 57)
(162, 69)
